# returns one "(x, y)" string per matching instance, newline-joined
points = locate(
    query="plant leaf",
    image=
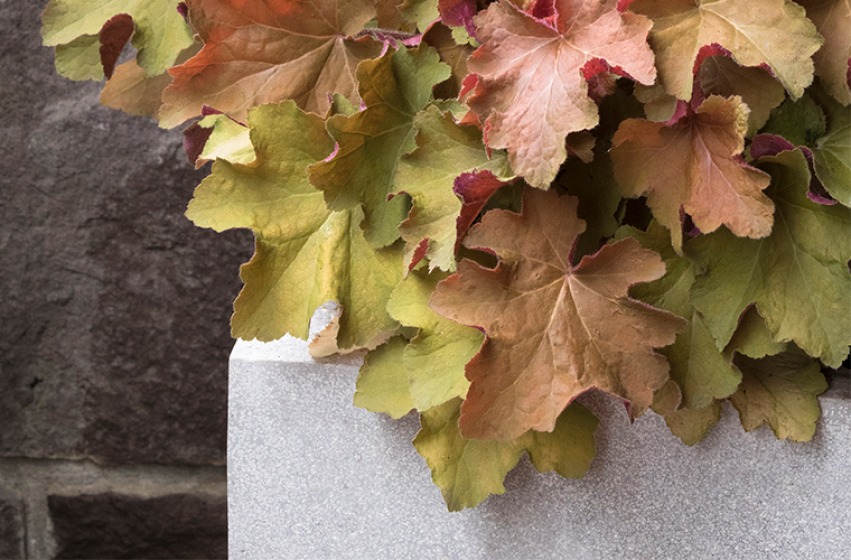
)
(774, 33)
(444, 151)
(689, 425)
(554, 330)
(382, 384)
(832, 18)
(720, 75)
(306, 254)
(780, 391)
(694, 166)
(798, 277)
(702, 372)
(529, 86)
(435, 358)
(257, 52)
(160, 31)
(371, 142)
(468, 470)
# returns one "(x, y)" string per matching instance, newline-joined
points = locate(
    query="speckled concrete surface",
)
(311, 476)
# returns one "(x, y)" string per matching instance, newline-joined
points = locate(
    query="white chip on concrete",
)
(312, 476)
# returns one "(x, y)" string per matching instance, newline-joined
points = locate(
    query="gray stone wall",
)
(114, 332)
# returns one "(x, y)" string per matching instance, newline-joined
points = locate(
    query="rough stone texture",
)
(114, 338)
(311, 476)
(118, 526)
(11, 526)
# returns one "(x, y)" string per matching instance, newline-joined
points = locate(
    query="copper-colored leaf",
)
(554, 330)
(261, 52)
(530, 91)
(694, 166)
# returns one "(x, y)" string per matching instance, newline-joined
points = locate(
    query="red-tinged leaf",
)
(695, 166)
(257, 52)
(554, 330)
(194, 139)
(832, 18)
(529, 91)
(773, 33)
(475, 189)
(458, 13)
(113, 36)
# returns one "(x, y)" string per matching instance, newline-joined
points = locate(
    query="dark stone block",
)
(11, 527)
(178, 526)
(115, 331)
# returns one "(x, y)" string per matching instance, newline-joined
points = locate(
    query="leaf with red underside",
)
(772, 33)
(113, 36)
(260, 52)
(530, 92)
(554, 330)
(832, 18)
(695, 166)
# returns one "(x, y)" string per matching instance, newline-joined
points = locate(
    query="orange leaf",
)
(695, 166)
(259, 52)
(530, 90)
(554, 330)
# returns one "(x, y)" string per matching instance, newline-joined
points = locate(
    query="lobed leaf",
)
(773, 33)
(160, 31)
(259, 52)
(693, 166)
(798, 277)
(553, 330)
(306, 254)
(529, 86)
(468, 470)
(780, 391)
(371, 142)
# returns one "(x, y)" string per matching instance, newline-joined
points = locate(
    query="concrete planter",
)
(312, 476)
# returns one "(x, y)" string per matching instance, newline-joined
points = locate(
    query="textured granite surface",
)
(114, 338)
(311, 476)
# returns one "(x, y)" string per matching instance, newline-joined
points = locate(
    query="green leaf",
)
(444, 151)
(798, 276)
(80, 59)
(382, 384)
(753, 339)
(394, 88)
(569, 448)
(160, 34)
(832, 156)
(702, 372)
(229, 140)
(468, 470)
(306, 254)
(801, 121)
(780, 391)
(435, 358)
(688, 425)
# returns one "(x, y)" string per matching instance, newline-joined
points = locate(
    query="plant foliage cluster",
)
(514, 202)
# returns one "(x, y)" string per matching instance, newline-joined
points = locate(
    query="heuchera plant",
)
(514, 202)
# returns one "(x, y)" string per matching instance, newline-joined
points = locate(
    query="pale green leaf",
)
(798, 276)
(435, 358)
(382, 385)
(306, 254)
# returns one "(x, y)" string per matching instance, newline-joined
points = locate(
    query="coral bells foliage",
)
(513, 203)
